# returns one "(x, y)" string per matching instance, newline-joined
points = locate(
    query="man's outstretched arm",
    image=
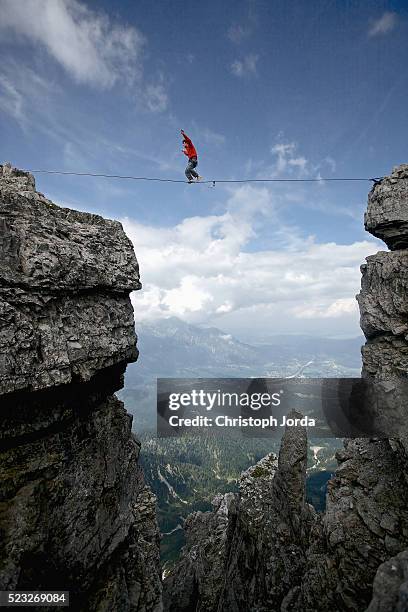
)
(185, 136)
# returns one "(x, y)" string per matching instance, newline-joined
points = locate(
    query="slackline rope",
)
(375, 180)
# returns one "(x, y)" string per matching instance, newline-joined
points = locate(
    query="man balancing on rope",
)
(191, 153)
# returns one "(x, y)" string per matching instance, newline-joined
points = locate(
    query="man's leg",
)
(193, 163)
(188, 171)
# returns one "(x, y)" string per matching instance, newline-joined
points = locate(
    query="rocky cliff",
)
(274, 551)
(384, 309)
(75, 513)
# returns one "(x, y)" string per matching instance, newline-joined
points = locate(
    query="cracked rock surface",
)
(75, 513)
(65, 278)
(387, 210)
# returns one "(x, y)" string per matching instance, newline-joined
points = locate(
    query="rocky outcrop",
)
(277, 554)
(196, 582)
(271, 535)
(65, 278)
(382, 301)
(256, 540)
(387, 212)
(384, 306)
(366, 519)
(390, 589)
(75, 513)
(365, 523)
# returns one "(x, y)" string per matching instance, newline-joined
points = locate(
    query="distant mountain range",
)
(189, 349)
(172, 348)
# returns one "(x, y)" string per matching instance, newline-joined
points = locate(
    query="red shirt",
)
(189, 148)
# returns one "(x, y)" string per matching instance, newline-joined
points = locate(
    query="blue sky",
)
(271, 89)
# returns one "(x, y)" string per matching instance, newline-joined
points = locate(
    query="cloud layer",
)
(86, 44)
(245, 66)
(89, 46)
(385, 24)
(205, 270)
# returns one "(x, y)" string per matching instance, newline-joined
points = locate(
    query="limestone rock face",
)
(365, 523)
(46, 246)
(65, 278)
(383, 306)
(387, 211)
(382, 300)
(75, 513)
(390, 589)
(385, 357)
(196, 582)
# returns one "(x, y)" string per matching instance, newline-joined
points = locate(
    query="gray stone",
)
(362, 506)
(382, 300)
(65, 278)
(387, 211)
(75, 513)
(390, 588)
(196, 582)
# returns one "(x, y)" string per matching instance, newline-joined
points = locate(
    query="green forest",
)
(187, 472)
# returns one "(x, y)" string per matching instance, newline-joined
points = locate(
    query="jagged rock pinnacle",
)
(20, 180)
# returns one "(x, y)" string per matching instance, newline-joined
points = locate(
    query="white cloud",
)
(330, 162)
(11, 100)
(188, 297)
(85, 43)
(205, 271)
(212, 138)
(237, 33)
(386, 23)
(91, 48)
(156, 97)
(328, 310)
(246, 66)
(22, 92)
(287, 161)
